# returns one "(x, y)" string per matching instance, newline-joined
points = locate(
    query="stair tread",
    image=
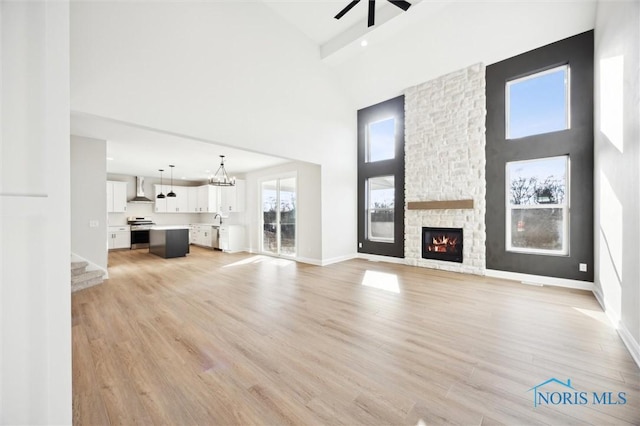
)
(79, 265)
(85, 276)
(86, 284)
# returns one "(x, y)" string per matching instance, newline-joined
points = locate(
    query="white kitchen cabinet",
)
(177, 204)
(231, 238)
(192, 199)
(207, 199)
(231, 198)
(119, 237)
(116, 197)
(160, 205)
(202, 235)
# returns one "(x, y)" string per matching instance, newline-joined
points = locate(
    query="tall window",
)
(381, 178)
(537, 206)
(279, 216)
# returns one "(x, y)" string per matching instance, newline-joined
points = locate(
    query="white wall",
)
(617, 165)
(35, 302)
(442, 38)
(88, 199)
(309, 221)
(234, 73)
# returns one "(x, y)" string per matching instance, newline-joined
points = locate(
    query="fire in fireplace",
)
(442, 244)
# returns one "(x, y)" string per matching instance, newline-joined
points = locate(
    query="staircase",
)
(81, 278)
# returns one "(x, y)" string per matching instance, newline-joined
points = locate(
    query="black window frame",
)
(390, 167)
(577, 142)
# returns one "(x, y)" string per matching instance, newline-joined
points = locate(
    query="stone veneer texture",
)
(445, 160)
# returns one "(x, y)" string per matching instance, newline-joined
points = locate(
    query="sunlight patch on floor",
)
(267, 260)
(381, 281)
(596, 315)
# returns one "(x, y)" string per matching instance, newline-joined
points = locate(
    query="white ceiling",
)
(137, 151)
(315, 18)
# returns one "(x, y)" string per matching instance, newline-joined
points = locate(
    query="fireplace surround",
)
(442, 244)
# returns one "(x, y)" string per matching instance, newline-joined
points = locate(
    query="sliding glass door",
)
(279, 216)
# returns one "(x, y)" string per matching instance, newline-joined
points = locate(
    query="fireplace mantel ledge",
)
(440, 205)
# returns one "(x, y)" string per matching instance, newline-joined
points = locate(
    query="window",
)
(380, 208)
(537, 206)
(381, 140)
(279, 216)
(538, 103)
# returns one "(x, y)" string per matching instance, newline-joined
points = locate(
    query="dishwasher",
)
(215, 237)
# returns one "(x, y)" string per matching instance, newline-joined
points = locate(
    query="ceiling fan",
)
(404, 5)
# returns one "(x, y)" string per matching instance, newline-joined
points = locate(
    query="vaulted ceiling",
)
(285, 77)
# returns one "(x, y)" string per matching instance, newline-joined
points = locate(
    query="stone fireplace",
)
(445, 161)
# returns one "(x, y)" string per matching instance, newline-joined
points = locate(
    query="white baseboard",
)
(309, 261)
(378, 258)
(630, 343)
(91, 266)
(540, 280)
(613, 316)
(337, 259)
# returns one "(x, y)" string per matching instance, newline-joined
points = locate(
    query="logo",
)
(557, 392)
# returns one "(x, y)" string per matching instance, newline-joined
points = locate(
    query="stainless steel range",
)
(140, 227)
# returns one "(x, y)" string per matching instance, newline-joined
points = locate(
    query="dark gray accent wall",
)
(391, 108)
(577, 142)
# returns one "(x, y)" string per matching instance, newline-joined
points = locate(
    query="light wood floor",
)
(240, 339)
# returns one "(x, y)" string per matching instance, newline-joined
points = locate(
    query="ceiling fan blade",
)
(372, 13)
(404, 5)
(346, 9)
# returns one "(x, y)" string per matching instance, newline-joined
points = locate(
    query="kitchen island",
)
(169, 241)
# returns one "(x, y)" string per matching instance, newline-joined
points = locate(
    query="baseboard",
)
(378, 258)
(91, 266)
(630, 343)
(337, 259)
(540, 280)
(613, 316)
(309, 261)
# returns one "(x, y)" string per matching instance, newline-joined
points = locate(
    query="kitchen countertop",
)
(168, 227)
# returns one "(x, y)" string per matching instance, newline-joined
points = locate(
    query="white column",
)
(35, 309)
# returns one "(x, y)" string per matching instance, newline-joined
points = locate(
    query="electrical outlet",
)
(93, 223)
(583, 267)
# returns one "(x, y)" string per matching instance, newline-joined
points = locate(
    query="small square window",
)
(538, 103)
(381, 140)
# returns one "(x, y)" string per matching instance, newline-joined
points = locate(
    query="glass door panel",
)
(287, 196)
(270, 216)
(279, 216)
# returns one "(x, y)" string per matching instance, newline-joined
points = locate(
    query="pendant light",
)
(221, 178)
(161, 195)
(171, 194)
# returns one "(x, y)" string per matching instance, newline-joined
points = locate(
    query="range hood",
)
(140, 198)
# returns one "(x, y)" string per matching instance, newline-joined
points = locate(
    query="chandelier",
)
(221, 178)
